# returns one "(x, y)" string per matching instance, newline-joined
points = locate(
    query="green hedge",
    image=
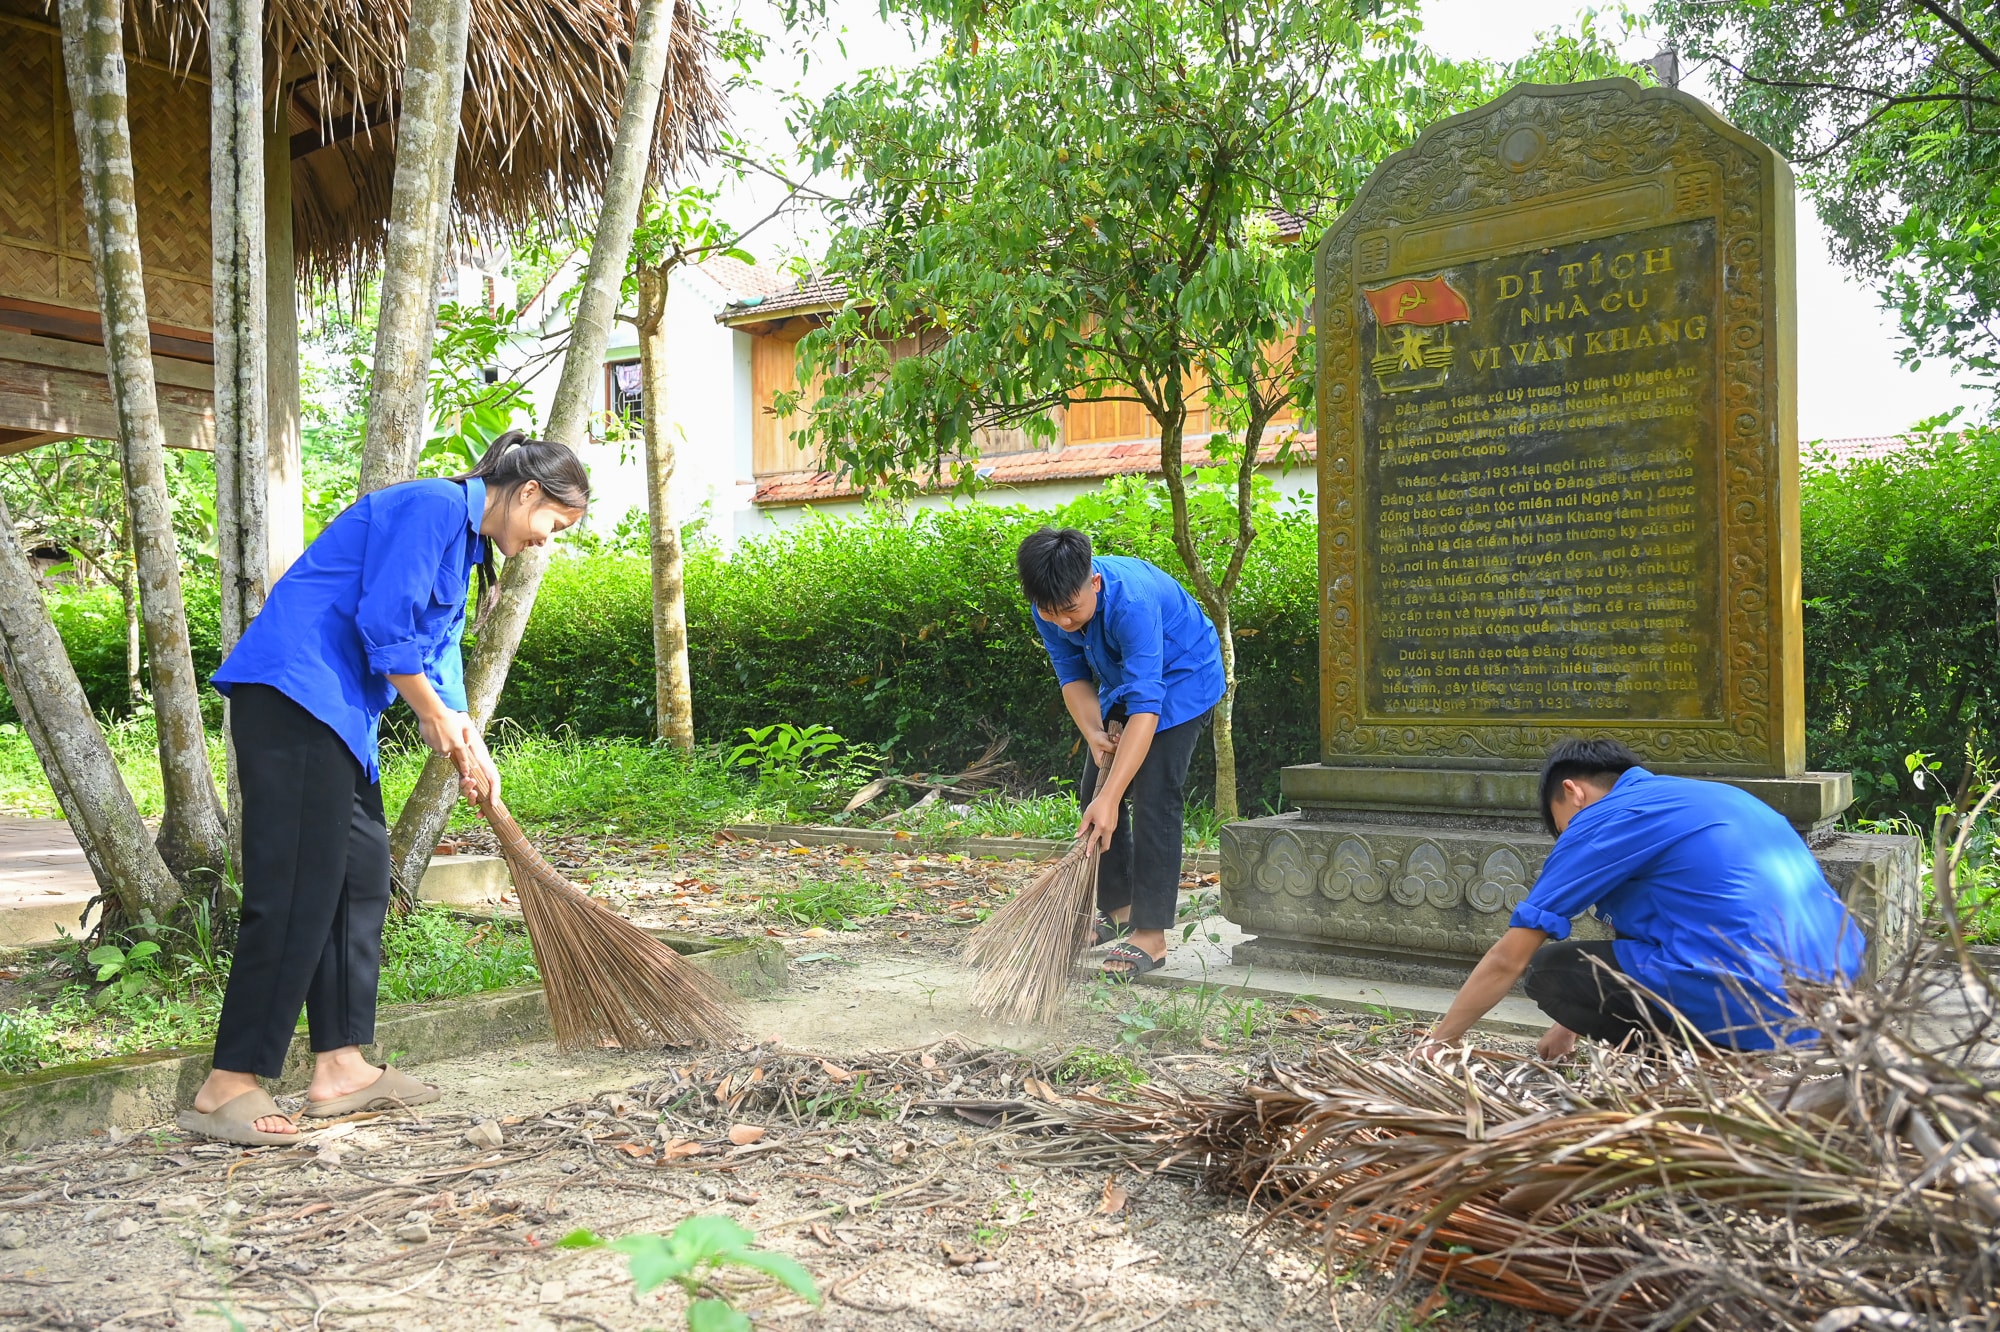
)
(91, 621)
(1899, 570)
(911, 636)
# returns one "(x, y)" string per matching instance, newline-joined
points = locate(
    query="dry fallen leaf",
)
(836, 1072)
(634, 1149)
(1114, 1199)
(745, 1134)
(824, 1236)
(927, 1061)
(1302, 1014)
(1207, 1044)
(678, 1148)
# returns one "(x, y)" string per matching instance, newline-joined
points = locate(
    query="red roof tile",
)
(1858, 448)
(1082, 462)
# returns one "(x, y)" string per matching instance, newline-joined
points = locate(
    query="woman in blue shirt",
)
(371, 612)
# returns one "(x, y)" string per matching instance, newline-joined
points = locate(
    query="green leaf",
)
(781, 1267)
(715, 1316)
(705, 1238)
(106, 955)
(141, 951)
(652, 1261)
(580, 1238)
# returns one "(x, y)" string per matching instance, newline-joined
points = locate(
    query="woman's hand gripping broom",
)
(606, 980)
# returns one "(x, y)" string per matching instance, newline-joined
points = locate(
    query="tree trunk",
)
(236, 226)
(192, 839)
(284, 487)
(1213, 598)
(128, 597)
(429, 805)
(419, 209)
(673, 702)
(56, 716)
(1224, 734)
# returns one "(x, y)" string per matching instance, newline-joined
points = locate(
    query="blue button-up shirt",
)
(1714, 898)
(381, 592)
(1150, 645)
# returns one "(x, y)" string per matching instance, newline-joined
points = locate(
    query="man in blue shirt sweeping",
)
(1140, 669)
(1715, 902)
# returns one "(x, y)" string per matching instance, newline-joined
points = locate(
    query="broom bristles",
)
(1027, 951)
(606, 979)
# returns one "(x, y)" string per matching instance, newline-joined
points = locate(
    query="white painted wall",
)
(708, 399)
(1298, 481)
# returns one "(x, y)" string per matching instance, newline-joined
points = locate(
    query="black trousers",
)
(315, 887)
(1578, 983)
(1142, 867)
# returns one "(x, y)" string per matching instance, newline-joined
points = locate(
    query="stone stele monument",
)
(1558, 495)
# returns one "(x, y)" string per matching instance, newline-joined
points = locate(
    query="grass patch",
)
(24, 787)
(428, 954)
(835, 904)
(1051, 816)
(431, 954)
(1083, 1065)
(606, 787)
(1179, 1016)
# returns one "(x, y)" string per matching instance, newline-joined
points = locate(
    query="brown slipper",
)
(392, 1091)
(234, 1120)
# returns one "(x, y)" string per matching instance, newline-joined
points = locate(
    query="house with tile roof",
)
(709, 402)
(1094, 442)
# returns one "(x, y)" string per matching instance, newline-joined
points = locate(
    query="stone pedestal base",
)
(1417, 883)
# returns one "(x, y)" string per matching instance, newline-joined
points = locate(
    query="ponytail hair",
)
(510, 462)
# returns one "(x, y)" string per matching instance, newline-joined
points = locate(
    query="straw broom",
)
(1026, 951)
(606, 980)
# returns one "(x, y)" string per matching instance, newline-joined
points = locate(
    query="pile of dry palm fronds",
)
(1026, 951)
(1853, 1183)
(969, 784)
(606, 980)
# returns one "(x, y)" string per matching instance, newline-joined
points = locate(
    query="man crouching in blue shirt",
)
(1715, 902)
(1140, 669)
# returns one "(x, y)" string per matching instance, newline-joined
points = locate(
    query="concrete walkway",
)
(44, 881)
(1202, 963)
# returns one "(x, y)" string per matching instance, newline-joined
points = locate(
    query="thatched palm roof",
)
(544, 80)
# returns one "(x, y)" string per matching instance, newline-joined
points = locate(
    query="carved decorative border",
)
(1586, 137)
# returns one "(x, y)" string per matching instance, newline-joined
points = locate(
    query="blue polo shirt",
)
(1703, 885)
(380, 592)
(1149, 646)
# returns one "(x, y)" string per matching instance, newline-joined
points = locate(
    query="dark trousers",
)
(1578, 983)
(1142, 868)
(315, 887)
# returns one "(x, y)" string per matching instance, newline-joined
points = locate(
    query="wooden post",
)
(419, 208)
(425, 812)
(236, 225)
(284, 501)
(191, 838)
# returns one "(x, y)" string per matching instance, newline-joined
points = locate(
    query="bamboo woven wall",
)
(44, 256)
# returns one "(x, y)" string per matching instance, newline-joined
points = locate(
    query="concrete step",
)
(1203, 962)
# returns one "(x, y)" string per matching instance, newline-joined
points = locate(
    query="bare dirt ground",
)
(900, 1159)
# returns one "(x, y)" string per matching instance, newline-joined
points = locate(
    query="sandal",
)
(1104, 929)
(235, 1121)
(392, 1091)
(1136, 959)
